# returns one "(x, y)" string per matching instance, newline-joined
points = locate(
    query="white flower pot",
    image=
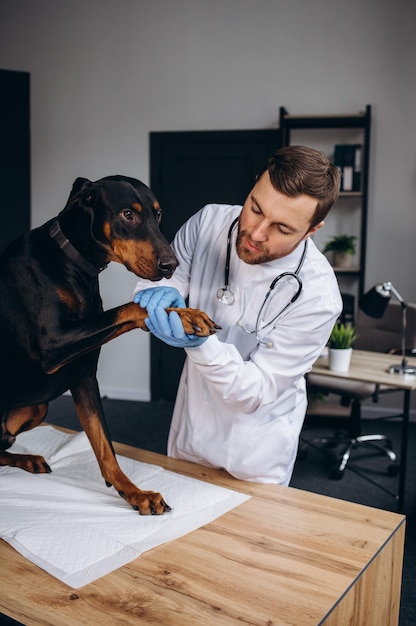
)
(340, 359)
(343, 259)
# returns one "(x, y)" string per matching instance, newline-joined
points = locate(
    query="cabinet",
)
(14, 155)
(187, 170)
(349, 214)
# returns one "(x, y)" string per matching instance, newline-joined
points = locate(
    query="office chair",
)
(377, 335)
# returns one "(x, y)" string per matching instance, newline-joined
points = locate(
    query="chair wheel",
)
(336, 474)
(393, 470)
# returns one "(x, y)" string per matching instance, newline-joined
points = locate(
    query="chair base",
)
(368, 441)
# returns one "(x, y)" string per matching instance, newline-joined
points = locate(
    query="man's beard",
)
(251, 257)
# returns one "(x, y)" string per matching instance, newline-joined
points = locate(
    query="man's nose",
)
(259, 232)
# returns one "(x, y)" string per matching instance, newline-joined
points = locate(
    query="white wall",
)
(104, 73)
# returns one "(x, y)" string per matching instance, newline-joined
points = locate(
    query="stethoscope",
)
(226, 296)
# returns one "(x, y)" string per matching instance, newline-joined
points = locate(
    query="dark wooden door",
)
(14, 155)
(188, 170)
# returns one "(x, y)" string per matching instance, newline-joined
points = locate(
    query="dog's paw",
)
(196, 322)
(147, 502)
(32, 463)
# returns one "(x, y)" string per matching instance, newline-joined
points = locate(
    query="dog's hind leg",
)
(90, 412)
(13, 423)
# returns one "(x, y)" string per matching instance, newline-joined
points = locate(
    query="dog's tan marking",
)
(139, 257)
(107, 230)
(26, 417)
(18, 421)
(70, 299)
(131, 315)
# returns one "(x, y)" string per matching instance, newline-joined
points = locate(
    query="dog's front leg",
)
(88, 334)
(91, 415)
(79, 337)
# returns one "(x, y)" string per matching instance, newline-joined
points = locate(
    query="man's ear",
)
(313, 230)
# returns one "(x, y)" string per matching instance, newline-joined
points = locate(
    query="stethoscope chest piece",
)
(225, 296)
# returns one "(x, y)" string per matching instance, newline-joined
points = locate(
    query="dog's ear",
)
(87, 196)
(73, 196)
(77, 186)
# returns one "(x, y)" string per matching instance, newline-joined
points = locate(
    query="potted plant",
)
(343, 248)
(340, 347)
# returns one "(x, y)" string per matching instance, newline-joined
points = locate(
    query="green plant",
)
(341, 243)
(342, 337)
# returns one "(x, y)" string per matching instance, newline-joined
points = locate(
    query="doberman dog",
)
(52, 322)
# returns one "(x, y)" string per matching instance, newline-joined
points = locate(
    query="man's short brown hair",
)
(296, 170)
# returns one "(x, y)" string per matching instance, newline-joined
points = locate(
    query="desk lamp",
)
(374, 304)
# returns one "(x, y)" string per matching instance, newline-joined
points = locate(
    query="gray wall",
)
(104, 73)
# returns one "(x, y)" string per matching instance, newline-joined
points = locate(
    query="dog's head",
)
(123, 218)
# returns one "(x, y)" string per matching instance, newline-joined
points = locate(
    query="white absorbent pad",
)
(72, 525)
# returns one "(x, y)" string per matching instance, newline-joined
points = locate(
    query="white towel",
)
(74, 527)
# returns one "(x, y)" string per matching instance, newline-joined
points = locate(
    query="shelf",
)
(350, 194)
(347, 270)
(326, 117)
(352, 216)
(354, 120)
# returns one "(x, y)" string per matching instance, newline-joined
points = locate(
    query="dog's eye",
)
(128, 214)
(158, 216)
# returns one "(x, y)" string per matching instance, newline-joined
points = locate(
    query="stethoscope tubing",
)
(226, 296)
(227, 259)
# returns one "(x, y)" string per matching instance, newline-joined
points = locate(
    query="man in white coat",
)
(242, 400)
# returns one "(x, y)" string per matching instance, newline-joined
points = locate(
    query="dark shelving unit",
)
(358, 123)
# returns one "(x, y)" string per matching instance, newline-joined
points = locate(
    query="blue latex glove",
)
(168, 328)
(155, 297)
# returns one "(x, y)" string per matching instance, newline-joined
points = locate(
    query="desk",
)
(372, 367)
(283, 557)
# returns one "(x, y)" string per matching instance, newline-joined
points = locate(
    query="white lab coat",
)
(241, 404)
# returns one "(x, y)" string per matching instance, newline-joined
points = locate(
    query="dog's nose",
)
(167, 265)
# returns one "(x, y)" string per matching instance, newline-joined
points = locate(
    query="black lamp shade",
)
(374, 302)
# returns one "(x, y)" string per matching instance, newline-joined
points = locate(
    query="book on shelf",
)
(347, 157)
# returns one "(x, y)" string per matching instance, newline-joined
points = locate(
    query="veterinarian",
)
(242, 400)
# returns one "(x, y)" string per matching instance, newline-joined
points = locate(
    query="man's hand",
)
(155, 297)
(164, 326)
(168, 328)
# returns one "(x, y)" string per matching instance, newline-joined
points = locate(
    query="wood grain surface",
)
(283, 557)
(371, 367)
